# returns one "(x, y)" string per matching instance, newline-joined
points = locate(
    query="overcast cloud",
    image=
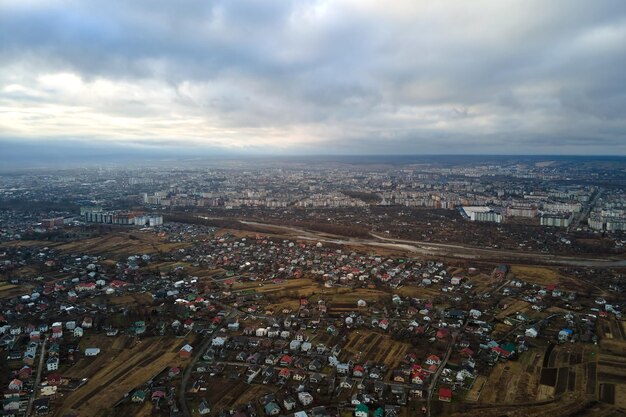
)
(341, 76)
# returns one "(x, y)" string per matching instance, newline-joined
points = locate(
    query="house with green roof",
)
(361, 410)
(139, 396)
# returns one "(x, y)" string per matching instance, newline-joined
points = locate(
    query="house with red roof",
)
(53, 379)
(358, 371)
(445, 394)
(442, 333)
(466, 352)
(433, 360)
(286, 360)
(185, 351)
(85, 286)
(16, 385)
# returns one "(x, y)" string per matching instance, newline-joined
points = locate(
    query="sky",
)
(314, 77)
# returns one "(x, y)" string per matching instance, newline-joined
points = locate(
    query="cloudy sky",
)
(340, 76)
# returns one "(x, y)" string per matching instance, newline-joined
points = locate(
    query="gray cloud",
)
(412, 76)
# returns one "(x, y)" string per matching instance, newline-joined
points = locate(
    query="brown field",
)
(613, 345)
(125, 243)
(5, 286)
(482, 282)
(292, 305)
(296, 287)
(416, 291)
(117, 243)
(9, 290)
(612, 373)
(348, 297)
(570, 386)
(525, 380)
(514, 307)
(25, 244)
(132, 299)
(473, 395)
(536, 274)
(367, 345)
(227, 394)
(122, 366)
(337, 297)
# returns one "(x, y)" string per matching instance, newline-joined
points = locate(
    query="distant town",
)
(315, 288)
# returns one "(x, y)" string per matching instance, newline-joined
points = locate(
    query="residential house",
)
(272, 409)
(16, 385)
(295, 345)
(139, 396)
(315, 365)
(204, 408)
(41, 406)
(316, 378)
(343, 368)
(361, 410)
(399, 376)
(305, 398)
(346, 382)
(531, 332)
(185, 351)
(218, 341)
(286, 360)
(445, 394)
(92, 351)
(433, 360)
(289, 403)
(52, 364)
(29, 358)
(358, 371)
(299, 375)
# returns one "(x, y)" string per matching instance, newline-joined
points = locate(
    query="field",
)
(473, 395)
(367, 345)
(612, 363)
(123, 365)
(514, 306)
(536, 274)
(563, 380)
(9, 290)
(417, 291)
(286, 294)
(118, 243)
(543, 275)
(228, 394)
(121, 244)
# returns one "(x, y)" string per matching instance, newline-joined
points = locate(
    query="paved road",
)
(585, 212)
(42, 356)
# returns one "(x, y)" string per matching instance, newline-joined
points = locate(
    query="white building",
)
(92, 351)
(556, 219)
(481, 214)
(305, 398)
(52, 364)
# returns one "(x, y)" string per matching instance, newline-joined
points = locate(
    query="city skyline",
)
(298, 78)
